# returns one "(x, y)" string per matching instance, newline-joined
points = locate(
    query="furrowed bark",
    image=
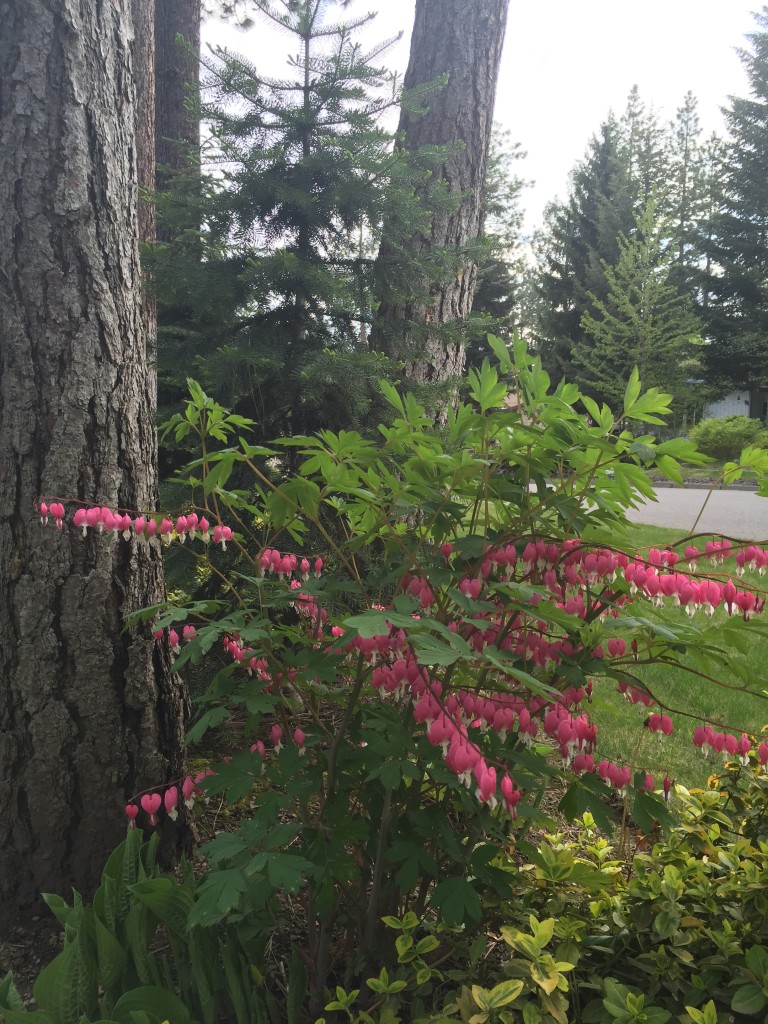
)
(463, 41)
(90, 712)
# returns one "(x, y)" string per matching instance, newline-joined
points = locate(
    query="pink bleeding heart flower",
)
(80, 519)
(132, 811)
(171, 801)
(150, 803)
(188, 790)
(56, 510)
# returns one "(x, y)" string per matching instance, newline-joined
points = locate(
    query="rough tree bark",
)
(144, 77)
(463, 41)
(89, 712)
(177, 77)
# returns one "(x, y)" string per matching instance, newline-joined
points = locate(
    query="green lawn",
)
(621, 734)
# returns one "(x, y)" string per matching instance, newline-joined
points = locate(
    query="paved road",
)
(739, 514)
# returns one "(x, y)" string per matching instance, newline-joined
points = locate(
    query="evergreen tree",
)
(500, 277)
(580, 238)
(687, 191)
(714, 173)
(643, 321)
(737, 310)
(299, 176)
(645, 151)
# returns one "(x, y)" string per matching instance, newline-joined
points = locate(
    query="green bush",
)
(725, 438)
(389, 689)
(680, 934)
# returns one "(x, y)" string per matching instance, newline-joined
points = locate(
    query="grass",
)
(688, 697)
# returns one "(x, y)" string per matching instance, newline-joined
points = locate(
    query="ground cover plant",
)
(407, 635)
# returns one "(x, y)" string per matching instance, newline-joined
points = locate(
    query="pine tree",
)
(90, 712)
(737, 309)
(645, 151)
(643, 321)
(580, 238)
(687, 192)
(714, 172)
(300, 175)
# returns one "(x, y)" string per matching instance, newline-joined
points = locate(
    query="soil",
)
(28, 949)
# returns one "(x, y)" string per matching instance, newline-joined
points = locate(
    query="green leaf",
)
(167, 900)
(632, 391)
(57, 987)
(157, 1003)
(217, 896)
(9, 996)
(207, 721)
(757, 962)
(59, 907)
(458, 901)
(504, 993)
(112, 957)
(368, 624)
(748, 999)
(431, 651)
(500, 350)
(707, 1015)
(392, 396)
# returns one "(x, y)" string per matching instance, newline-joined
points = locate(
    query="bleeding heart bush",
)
(409, 631)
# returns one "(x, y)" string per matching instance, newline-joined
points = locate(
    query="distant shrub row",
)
(725, 438)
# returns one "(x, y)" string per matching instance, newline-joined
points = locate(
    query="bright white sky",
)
(567, 62)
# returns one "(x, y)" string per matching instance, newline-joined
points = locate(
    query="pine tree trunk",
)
(464, 41)
(144, 76)
(146, 164)
(89, 711)
(177, 78)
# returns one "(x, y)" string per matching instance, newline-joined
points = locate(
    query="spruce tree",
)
(299, 176)
(687, 191)
(643, 321)
(737, 310)
(646, 152)
(580, 238)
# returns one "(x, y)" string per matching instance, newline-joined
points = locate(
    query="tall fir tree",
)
(646, 152)
(643, 321)
(737, 308)
(580, 238)
(634, 161)
(687, 194)
(714, 175)
(299, 177)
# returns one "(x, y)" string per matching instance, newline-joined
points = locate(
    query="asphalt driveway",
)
(738, 514)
